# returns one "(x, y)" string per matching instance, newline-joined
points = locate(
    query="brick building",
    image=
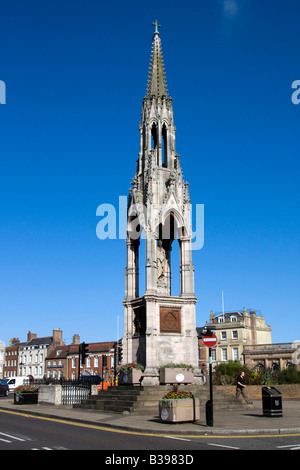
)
(63, 361)
(11, 358)
(100, 360)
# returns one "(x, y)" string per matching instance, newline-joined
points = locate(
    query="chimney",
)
(253, 326)
(57, 337)
(76, 339)
(14, 341)
(30, 336)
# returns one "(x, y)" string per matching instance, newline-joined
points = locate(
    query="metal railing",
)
(74, 393)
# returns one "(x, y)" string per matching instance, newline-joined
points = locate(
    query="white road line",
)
(4, 440)
(12, 437)
(43, 448)
(289, 445)
(178, 438)
(220, 445)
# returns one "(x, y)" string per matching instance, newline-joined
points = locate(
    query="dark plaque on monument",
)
(170, 320)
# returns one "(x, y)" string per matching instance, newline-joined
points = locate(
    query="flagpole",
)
(223, 304)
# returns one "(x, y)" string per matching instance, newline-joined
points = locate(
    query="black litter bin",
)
(271, 402)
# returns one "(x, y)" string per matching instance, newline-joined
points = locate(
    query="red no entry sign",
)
(210, 341)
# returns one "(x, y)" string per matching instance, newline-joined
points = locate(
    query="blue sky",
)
(75, 75)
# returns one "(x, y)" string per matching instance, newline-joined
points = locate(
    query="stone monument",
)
(159, 327)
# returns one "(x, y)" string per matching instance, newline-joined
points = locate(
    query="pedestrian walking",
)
(240, 388)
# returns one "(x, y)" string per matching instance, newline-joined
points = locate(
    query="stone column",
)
(186, 268)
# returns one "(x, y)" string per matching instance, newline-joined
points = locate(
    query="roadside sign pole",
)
(210, 340)
(210, 403)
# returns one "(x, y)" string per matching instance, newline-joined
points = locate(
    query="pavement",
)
(248, 421)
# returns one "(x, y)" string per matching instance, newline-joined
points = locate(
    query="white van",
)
(14, 382)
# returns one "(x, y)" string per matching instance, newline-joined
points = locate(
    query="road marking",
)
(178, 438)
(140, 433)
(12, 437)
(220, 445)
(4, 440)
(43, 448)
(288, 445)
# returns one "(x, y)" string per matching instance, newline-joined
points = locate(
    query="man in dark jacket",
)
(240, 387)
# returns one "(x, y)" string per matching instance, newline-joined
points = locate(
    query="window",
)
(96, 361)
(73, 363)
(233, 318)
(88, 362)
(235, 354)
(164, 147)
(235, 334)
(213, 355)
(221, 319)
(224, 355)
(223, 334)
(154, 141)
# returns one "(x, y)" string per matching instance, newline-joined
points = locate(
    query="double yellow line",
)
(140, 433)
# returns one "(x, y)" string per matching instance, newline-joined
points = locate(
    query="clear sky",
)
(75, 75)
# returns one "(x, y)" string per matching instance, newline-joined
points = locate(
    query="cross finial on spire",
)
(156, 27)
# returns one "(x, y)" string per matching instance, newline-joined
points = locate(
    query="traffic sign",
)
(210, 341)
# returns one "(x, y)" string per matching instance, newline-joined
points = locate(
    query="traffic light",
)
(83, 353)
(104, 360)
(119, 355)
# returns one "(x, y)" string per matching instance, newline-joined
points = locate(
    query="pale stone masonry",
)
(159, 327)
(235, 330)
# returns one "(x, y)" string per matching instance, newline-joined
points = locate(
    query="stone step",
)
(136, 399)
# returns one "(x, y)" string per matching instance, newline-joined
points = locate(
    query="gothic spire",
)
(157, 84)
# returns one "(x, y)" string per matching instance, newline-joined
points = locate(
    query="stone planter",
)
(27, 398)
(176, 411)
(169, 375)
(133, 377)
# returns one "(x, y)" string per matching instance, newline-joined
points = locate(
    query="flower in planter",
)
(126, 368)
(175, 395)
(173, 365)
(23, 389)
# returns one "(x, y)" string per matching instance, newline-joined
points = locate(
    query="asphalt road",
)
(21, 432)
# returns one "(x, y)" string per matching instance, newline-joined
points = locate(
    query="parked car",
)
(14, 382)
(4, 390)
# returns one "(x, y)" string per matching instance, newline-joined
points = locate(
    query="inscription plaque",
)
(170, 320)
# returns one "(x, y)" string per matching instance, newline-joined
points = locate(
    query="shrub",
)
(126, 368)
(181, 365)
(289, 376)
